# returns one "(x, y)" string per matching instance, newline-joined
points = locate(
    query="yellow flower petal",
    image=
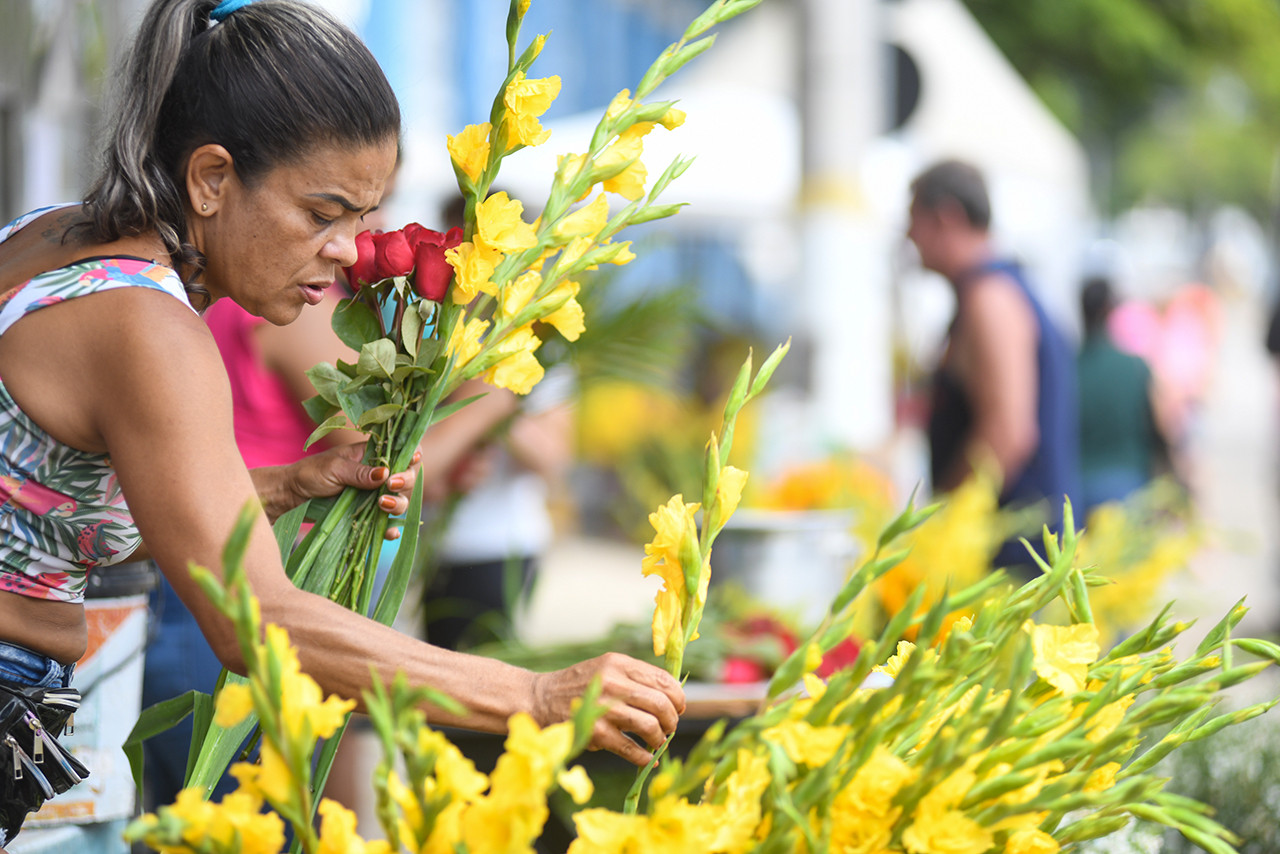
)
(1031, 841)
(499, 226)
(527, 99)
(1062, 654)
(516, 295)
(672, 118)
(519, 372)
(235, 702)
(586, 221)
(569, 320)
(474, 265)
(469, 149)
(576, 782)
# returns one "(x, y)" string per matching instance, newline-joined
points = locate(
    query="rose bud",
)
(395, 255)
(365, 269)
(432, 272)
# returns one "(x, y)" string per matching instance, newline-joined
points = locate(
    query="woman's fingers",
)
(641, 699)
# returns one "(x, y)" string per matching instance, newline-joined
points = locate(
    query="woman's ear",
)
(210, 171)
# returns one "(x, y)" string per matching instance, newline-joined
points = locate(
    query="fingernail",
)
(393, 533)
(387, 502)
(381, 472)
(396, 483)
(417, 455)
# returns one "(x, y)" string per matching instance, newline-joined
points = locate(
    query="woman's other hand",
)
(327, 473)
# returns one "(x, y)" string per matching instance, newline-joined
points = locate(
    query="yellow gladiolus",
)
(672, 118)
(527, 99)
(674, 526)
(729, 490)
(235, 702)
(806, 744)
(516, 295)
(569, 319)
(629, 183)
(586, 221)
(1062, 654)
(499, 226)
(469, 149)
(269, 779)
(338, 832)
(473, 264)
(465, 339)
(618, 105)
(576, 782)
(1031, 841)
(519, 372)
(1102, 778)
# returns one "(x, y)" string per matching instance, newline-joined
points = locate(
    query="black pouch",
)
(34, 766)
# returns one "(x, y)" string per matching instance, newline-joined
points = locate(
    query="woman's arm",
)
(163, 410)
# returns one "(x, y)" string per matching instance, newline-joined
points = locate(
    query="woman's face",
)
(274, 247)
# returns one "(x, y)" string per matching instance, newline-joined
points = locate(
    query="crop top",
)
(61, 509)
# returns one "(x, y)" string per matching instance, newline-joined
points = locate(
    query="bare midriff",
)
(55, 629)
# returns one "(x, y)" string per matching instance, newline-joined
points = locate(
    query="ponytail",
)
(134, 193)
(270, 82)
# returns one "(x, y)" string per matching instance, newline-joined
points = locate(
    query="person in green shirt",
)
(1122, 446)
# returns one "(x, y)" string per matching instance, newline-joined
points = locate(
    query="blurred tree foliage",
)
(1176, 100)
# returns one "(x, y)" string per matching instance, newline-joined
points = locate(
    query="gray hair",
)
(271, 82)
(956, 181)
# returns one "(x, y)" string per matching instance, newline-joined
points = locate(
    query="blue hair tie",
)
(226, 7)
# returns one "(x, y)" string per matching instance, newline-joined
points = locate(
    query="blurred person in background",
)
(1004, 390)
(1122, 441)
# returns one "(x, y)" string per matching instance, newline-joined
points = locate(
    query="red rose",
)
(842, 655)
(394, 254)
(432, 273)
(741, 671)
(365, 269)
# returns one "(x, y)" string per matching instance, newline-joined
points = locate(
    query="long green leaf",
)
(154, 720)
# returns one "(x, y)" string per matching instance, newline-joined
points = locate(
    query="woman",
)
(246, 151)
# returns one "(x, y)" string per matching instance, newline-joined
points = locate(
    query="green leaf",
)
(327, 380)
(379, 415)
(357, 402)
(286, 529)
(334, 422)
(355, 324)
(319, 409)
(154, 720)
(378, 357)
(411, 331)
(402, 566)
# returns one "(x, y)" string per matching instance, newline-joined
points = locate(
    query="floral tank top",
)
(61, 509)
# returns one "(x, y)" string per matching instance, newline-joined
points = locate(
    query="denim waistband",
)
(30, 669)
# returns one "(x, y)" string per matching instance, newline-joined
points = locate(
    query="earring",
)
(204, 207)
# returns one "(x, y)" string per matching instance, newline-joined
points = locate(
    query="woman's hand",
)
(281, 488)
(641, 699)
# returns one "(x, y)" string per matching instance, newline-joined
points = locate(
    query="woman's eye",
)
(320, 220)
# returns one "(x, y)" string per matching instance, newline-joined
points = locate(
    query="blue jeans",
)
(21, 666)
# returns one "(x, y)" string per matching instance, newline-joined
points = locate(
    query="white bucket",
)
(793, 560)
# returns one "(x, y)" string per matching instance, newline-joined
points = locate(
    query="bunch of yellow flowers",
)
(997, 733)
(1003, 734)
